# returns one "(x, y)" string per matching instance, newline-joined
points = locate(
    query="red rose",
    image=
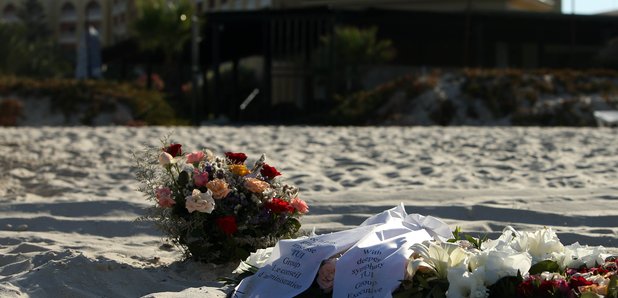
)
(279, 206)
(237, 158)
(227, 224)
(578, 281)
(269, 172)
(173, 149)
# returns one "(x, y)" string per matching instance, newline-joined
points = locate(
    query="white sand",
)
(68, 199)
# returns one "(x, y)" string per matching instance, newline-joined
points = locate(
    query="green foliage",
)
(354, 46)
(506, 287)
(547, 265)
(28, 48)
(458, 236)
(342, 55)
(517, 93)
(40, 57)
(32, 17)
(68, 96)
(361, 107)
(163, 25)
(422, 286)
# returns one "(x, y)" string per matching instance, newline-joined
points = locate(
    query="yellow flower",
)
(240, 170)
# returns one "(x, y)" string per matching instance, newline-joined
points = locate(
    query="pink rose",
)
(200, 178)
(299, 205)
(326, 275)
(195, 157)
(219, 188)
(165, 158)
(164, 196)
(256, 185)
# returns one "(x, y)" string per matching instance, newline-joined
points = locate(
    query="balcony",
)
(119, 9)
(94, 14)
(68, 17)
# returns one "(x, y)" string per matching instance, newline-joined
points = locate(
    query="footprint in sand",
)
(20, 265)
(27, 247)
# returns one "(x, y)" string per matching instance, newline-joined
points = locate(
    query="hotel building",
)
(68, 19)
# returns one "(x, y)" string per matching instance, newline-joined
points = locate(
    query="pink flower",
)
(326, 275)
(299, 205)
(219, 188)
(195, 157)
(256, 185)
(165, 158)
(200, 178)
(164, 196)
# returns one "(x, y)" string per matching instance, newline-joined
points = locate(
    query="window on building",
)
(93, 11)
(68, 13)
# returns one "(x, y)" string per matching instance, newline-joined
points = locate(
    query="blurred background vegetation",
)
(318, 66)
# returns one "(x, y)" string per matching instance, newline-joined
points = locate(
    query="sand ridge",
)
(68, 198)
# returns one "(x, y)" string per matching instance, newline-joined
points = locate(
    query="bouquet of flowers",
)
(214, 207)
(517, 264)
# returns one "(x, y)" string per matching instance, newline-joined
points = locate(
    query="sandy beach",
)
(69, 198)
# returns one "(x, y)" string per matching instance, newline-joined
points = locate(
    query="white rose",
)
(165, 158)
(200, 201)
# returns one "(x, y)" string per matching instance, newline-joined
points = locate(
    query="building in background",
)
(420, 5)
(68, 19)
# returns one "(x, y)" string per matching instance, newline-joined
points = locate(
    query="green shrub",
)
(514, 91)
(361, 107)
(67, 96)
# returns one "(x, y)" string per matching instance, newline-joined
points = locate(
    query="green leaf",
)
(505, 287)
(183, 178)
(436, 292)
(612, 287)
(474, 241)
(408, 293)
(422, 281)
(456, 235)
(547, 265)
(295, 224)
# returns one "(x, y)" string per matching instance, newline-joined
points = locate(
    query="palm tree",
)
(165, 26)
(344, 55)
